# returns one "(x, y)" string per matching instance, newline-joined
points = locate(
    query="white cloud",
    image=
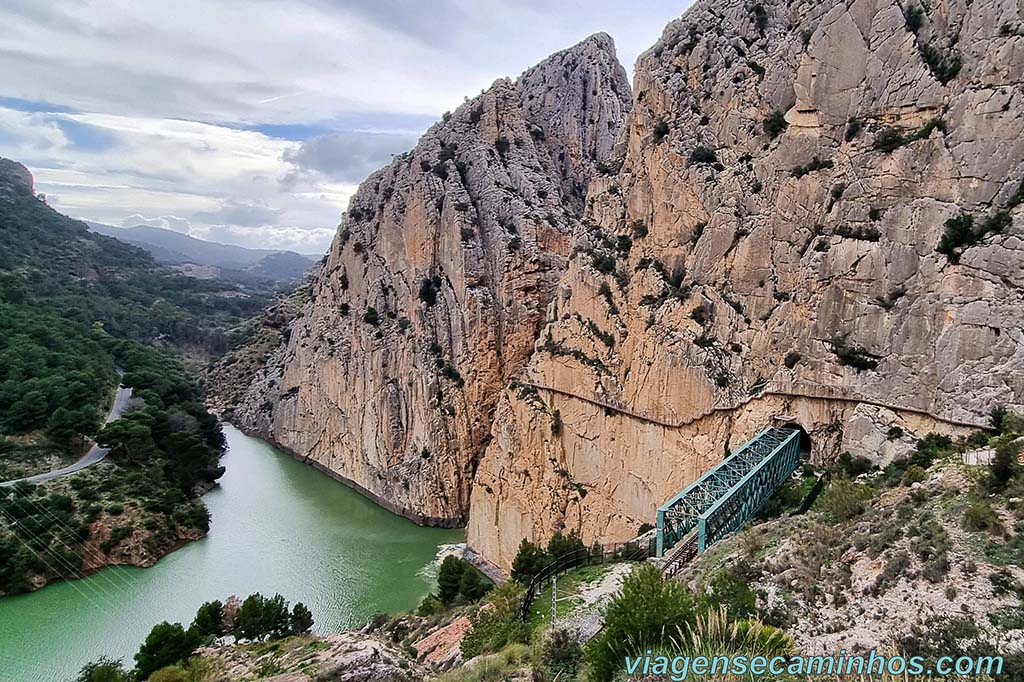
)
(198, 110)
(166, 222)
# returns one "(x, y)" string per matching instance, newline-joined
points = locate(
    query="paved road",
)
(95, 454)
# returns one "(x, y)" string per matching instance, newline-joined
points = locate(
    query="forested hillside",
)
(75, 309)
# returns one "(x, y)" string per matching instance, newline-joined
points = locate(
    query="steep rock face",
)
(768, 251)
(436, 286)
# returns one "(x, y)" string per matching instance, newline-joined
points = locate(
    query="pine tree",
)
(449, 578)
(301, 619)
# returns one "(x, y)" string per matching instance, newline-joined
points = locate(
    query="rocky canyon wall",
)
(768, 252)
(554, 315)
(435, 288)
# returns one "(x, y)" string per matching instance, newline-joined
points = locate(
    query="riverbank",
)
(277, 526)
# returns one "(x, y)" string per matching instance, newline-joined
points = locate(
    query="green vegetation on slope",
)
(75, 308)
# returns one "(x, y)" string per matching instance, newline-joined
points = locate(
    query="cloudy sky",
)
(252, 121)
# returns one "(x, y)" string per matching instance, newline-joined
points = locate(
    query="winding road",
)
(95, 453)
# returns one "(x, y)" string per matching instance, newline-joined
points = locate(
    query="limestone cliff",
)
(601, 310)
(436, 285)
(768, 251)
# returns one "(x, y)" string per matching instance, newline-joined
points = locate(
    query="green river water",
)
(278, 526)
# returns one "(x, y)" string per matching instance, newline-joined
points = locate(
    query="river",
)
(278, 526)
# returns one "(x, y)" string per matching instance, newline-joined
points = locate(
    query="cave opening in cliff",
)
(805, 439)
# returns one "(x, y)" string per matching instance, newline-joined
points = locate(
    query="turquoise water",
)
(278, 526)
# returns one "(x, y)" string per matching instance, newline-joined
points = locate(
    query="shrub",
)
(914, 474)
(344, 309)
(499, 624)
(894, 433)
(792, 358)
(853, 355)
(775, 124)
(560, 655)
(853, 128)
(530, 559)
(814, 164)
(644, 614)
(371, 316)
(661, 130)
(560, 545)
(868, 233)
(844, 500)
(449, 578)
(172, 673)
(703, 313)
(104, 670)
(943, 65)
(980, 516)
(730, 591)
(639, 229)
(703, 155)
(301, 620)
(854, 465)
(960, 232)
(260, 617)
(428, 289)
(166, 644)
(888, 139)
(556, 423)
(930, 448)
(698, 231)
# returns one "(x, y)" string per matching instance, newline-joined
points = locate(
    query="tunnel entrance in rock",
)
(805, 438)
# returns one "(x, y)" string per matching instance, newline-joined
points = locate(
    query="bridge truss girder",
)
(729, 494)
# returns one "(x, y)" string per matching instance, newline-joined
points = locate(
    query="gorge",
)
(568, 300)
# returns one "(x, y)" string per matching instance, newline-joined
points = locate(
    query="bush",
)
(814, 164)
(960, 233)
(452, 581)
(498, 625)
(371, 316)
(913, 474)
(301, 620)
(727, 589)
(703, 155)
(166, 644)
(644, 614)
(529, 561)
(560, 545)
(104, 670)
(428, 290)
(775, 124)
(853, 355)
(560, 655)
(854, 466)
(792, 358)
(980, 516)
(172, 673)
(261, 617)
(661, 130)
(844, 500)
(888, 139)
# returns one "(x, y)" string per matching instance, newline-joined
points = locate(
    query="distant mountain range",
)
(174, 248)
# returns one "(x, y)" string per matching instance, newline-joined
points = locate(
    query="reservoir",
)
(278, 526)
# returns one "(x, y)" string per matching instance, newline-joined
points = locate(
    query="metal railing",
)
(635, 550)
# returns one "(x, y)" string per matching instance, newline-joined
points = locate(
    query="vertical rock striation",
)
(768, 250)
(558, 316)
(436, 285)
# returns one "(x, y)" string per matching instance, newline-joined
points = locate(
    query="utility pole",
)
(554, 600)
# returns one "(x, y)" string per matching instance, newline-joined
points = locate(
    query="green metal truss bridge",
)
(723, 499)
(712, 507)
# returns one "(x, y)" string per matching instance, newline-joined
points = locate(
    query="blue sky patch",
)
(85, 137)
